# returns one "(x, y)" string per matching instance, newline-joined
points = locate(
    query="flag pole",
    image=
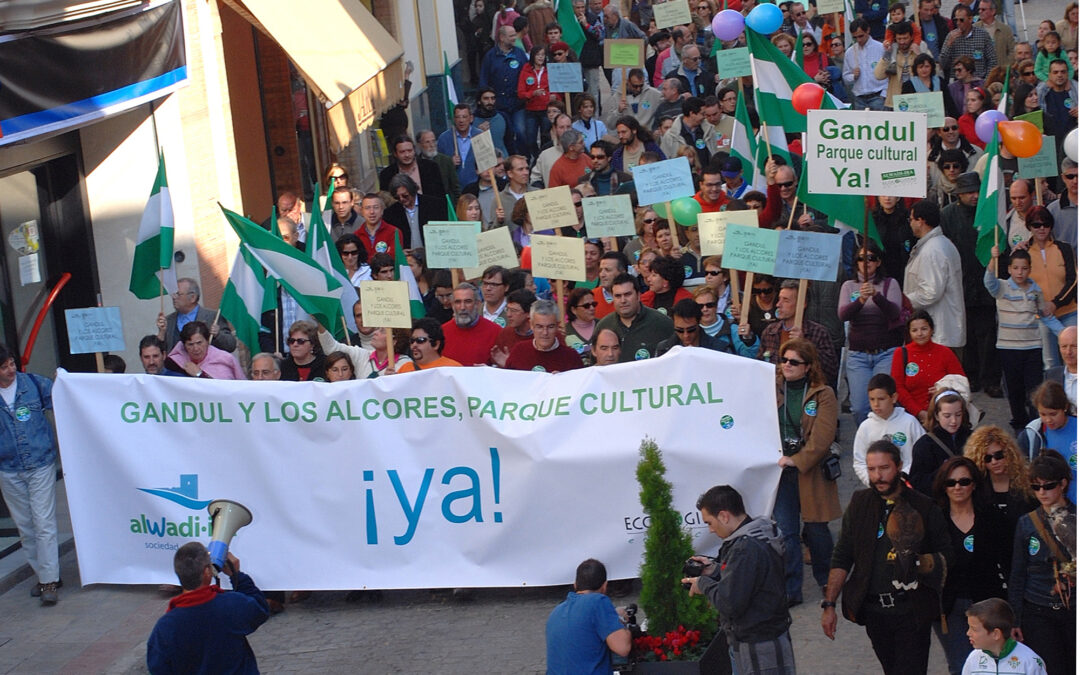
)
(389, 347)
(216, 317)
(345, 325)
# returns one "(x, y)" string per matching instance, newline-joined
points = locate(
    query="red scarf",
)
(198, 596)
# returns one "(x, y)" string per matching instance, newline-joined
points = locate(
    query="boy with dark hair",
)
(989, 624)
(886, 421)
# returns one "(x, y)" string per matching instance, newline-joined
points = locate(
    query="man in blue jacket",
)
(28, 470)
(499, 70)
(205, 628)
(456, 142)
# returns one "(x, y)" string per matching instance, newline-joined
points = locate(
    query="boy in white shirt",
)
(886, 421)
(989, 624)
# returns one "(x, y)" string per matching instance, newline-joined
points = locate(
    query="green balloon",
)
(685, 210)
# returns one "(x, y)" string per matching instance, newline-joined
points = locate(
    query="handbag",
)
(830, 466)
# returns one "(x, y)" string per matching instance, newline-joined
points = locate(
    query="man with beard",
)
(428, 145)
(541, 171)
(640, 101)
(895, 544)
(424, 173)
(469, 336)
(487, 118)
(634, 141)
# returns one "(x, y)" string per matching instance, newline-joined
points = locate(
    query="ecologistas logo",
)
(161, 526)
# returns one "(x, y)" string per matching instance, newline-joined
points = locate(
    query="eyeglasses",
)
(954, 127)
(762, 291)
(559, 53)
(649, 220)
(706, 305)
(792, 362)
(992, 456)
(1038, 226)
(1028, 73)
(689, 330)
(421, 340)
(340, 176)
(785, 184)
(297, 341)
(1038, 487)
(962, 482)
(587, 305)
(807, 44)
(1069, 176)
(354, 252)
(712, 185)
(950, 165)
(869, 257)
(712, 273)
(601, 156)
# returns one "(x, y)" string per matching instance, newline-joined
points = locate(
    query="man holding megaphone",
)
(205, 628)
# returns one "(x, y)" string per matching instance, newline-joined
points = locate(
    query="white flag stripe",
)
(301, 276)
(248, 286)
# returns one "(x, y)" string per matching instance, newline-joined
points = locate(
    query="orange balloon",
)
(1021, 138)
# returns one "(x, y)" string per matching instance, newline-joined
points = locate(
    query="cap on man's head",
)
(967, 182)
(730, 167)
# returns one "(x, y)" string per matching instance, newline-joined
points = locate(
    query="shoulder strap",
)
(1047, 536)
(944, 447)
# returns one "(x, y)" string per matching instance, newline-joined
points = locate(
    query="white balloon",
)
(1070, 146)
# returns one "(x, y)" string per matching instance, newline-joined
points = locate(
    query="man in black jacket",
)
(406, 162)
(895, 545)
(412, 211)
(746, 584)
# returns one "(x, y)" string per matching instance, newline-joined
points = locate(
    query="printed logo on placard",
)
(161, 526)
(726, 422)
(898, 178)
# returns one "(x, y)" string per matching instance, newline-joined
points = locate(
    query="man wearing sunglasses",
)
(967, 39)
(425, 347)
(948, 137)
(1064, 208)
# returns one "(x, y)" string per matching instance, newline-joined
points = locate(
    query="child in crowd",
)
(990, 623)
(1055, 428)
(886, 421)
(1020, 303)
(1050, 50)
(897, 10)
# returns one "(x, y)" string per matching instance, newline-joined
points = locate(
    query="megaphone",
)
(226, 517)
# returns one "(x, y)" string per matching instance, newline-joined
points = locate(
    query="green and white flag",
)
(989, 210)
(402, 272)
(775, 77)
(843, 210)
(245, 298)
(743, 143)
(152, 261)
(322, 250)
(451, 91)
(572, 33)
(312, 288)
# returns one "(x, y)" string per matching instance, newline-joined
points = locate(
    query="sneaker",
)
(35, 590)
(48, 594)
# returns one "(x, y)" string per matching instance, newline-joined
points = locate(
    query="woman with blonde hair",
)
(645, 224)
(995, 452)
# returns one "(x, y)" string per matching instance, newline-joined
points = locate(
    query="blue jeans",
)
(533, 121)
(868, 102)
(787, 512)
(955, 642)
(860, 368)
(517, 126)
(31, 498)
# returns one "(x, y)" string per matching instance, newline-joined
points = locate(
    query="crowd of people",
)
(913, 323)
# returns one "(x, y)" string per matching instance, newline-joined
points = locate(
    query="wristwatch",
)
(825, 604)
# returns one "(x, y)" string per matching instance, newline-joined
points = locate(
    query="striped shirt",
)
(1018, 312)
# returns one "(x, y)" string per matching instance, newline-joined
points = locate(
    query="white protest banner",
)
(451, 244)
(662, 181)
(807, 255)
(860, 152)
(932, 103)
(484, 151)
(493, 247)
(558, 257)
(611, 216)
(450, 477)
(385, 304)
(671, 13)
(551, 208)
(94, 329)
(712, 228)
(565, 77)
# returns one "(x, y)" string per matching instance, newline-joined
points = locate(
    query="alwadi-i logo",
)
(187, 495)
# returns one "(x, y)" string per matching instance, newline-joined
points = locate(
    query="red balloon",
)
(1021, 138)
(807, 96)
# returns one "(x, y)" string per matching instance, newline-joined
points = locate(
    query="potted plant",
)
(679, 630)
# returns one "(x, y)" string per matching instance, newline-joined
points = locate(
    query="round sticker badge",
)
(539, 369)
(641, 354)
(22, 413)
(726, 422)
(514, 64)
(530, 81)
(700, 143)
(811, 409)
(911, 369)
(899, 439)
(1015, 239)
(880, 530)
(687, 271)
(855, 295)
(969, 543)
(931, 37)
(381, 247)
(977, 55)
(1033, 545)
(500, 321)
(645, 105)
(903, 106)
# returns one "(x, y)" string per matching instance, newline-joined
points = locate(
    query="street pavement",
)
(103, 628)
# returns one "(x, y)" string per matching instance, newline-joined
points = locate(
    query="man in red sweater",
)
(375, 234)
(469, 336)
(574, 163)
(544, 353)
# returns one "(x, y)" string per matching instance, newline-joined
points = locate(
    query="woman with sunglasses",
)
(762, 304)
(818, 66)
(918, 365)
(1043, 568)
(335, 176)
(871, 302)
(1053, 268)
(1055, 427)
(964, 80)
(1003, 470)
(980, 552)
(645, 225)
(354, 257)
(305, 362)
(807, 411)
(943, 175)
(948, 427)
(582, 324)
(718, 280)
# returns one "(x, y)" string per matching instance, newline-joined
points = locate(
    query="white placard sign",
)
(866, 153)
(435, 479)
(94, 329)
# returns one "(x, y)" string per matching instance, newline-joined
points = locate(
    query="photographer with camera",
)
(746, 584)
(584, 629)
